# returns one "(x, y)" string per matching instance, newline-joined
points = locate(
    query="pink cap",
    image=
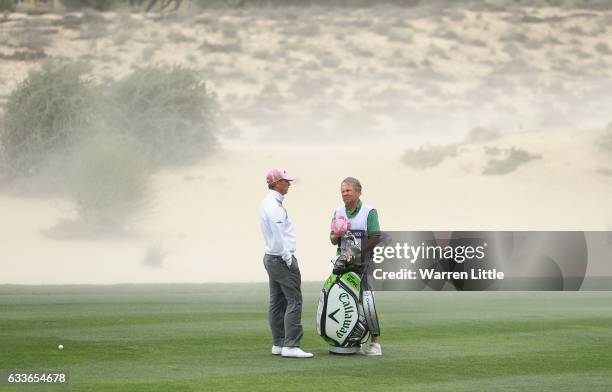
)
(278, 174)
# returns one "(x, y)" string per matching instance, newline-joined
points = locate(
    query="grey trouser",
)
(285, 314)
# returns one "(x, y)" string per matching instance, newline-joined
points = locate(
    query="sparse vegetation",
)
(104, 140)
(605, 171)
(69, 21)
(429, 156)
(262, 54)
(493, 151)
(148, 53)
(47, 112)
(228, 46)
(24, 55)
(7, 5)
(323, 74)
(121, 38)
(603, 48)
(168, 111)
(513, 158)
(328, 60)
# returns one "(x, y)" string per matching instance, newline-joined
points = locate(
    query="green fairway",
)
(215, 337)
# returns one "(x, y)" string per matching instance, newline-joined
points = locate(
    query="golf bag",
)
(346, 314)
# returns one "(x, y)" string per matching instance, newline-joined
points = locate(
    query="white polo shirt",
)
(276, 226)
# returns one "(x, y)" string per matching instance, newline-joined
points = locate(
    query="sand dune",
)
(327, 93)
(435, 70)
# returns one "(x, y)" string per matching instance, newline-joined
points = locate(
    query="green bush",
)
(98, 144)
(168, 111)
(7, 5)
(513, 158)
(605, 171)
(46, 113)
(428, 156)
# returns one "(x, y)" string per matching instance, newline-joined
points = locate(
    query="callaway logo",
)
(348, 310)
(331, 315)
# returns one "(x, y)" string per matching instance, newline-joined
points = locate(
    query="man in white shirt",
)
(285, 313)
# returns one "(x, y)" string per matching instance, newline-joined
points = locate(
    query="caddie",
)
(365, 227)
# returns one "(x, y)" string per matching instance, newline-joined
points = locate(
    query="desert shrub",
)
(262, 54)
(603, 48)
(69, 21)
(148, 53)
(168, 111)
(605, 171)
(109, 181)
(229, 46)
(44, 114)
(121, 38)
(606, 140)
(328, 60)
(99, 5)
(513, 158)
(7, 5)
(24, 55)
(100, 143)
(428, 156)
(494, 151)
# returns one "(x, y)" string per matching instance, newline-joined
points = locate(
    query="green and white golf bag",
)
(346, 314)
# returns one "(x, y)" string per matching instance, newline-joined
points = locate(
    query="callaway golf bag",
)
(346, 314)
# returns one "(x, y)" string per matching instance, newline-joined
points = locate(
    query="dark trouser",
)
(285, 314)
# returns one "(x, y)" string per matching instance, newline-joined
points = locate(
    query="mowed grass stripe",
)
(124, 318)
(251, 343)
(394, 372)
(465, 373)
(204, 347)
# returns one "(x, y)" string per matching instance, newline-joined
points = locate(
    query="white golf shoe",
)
(295, 352)
(277, 350)
(371, 349)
